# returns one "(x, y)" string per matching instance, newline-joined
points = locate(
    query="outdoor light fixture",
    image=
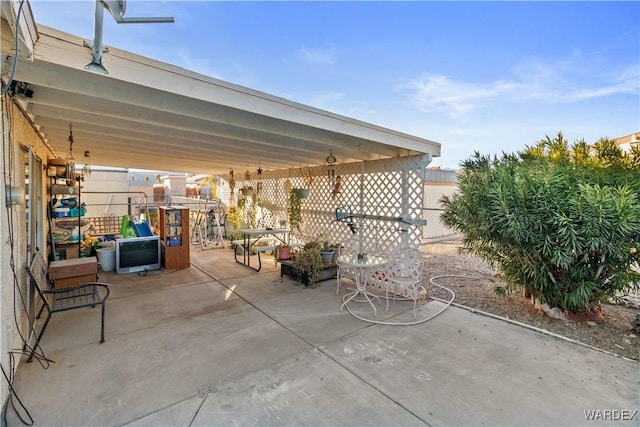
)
(331, 170)
(21, 89)
(69, 160)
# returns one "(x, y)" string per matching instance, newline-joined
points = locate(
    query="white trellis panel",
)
(388, 187)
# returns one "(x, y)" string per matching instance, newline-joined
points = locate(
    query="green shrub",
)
(560, 224)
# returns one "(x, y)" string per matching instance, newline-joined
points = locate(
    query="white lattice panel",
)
(388, 187)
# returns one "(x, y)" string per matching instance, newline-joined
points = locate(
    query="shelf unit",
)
(174, 235)
(64, 220)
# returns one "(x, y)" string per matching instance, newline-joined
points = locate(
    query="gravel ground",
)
(473, 286)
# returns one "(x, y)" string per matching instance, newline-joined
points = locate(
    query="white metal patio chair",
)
(347, 247)
(404, 272)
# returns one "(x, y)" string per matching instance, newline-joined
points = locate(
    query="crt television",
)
(138, 254)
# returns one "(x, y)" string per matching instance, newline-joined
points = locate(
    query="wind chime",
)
(334, 181)
(69, 160)
(86, 170)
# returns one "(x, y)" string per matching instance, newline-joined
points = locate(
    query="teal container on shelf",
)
(76, 211)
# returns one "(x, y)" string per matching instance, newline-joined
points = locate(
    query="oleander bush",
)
(562, 223)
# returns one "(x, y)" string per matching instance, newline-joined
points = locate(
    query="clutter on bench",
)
(68, 298)
(72, 272)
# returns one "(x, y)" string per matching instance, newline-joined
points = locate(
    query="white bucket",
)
(106, 258)
(76, 234)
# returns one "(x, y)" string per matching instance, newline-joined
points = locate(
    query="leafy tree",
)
(564, 224)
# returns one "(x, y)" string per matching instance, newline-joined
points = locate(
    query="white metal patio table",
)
(363, 266)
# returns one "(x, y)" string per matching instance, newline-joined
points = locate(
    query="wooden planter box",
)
(288, 268)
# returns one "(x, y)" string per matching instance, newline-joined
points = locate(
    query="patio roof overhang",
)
(151, 115)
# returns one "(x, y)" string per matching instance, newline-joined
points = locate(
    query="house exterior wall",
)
(17, 135)
(625, 142)
(175, 186)
(103, 193)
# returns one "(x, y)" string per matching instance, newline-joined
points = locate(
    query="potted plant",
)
(309, 262)
(326, 253)
(282, 252)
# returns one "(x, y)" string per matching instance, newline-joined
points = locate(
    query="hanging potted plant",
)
(247, 191)
(294, 210)
(247, 206)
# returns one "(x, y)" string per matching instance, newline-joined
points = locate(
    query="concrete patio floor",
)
(218, 344)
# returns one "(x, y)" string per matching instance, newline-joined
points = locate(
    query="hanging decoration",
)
(69, 160)
(308, 179)
(232, 186)
(331, 169)
(336, 187)
(259, 179)
(86, 170)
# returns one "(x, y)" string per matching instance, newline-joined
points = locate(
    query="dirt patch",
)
(473, 282)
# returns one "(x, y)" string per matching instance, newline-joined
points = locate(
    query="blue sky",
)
(473, 76)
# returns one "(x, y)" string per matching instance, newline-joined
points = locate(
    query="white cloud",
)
(569, 80)
(627, 81)
(440, 93)
(321, 56)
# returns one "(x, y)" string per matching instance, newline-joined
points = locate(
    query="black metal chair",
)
(56, 300)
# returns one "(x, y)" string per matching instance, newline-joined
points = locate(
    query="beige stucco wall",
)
(17, 134)
(438, 183)
(103, 192)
